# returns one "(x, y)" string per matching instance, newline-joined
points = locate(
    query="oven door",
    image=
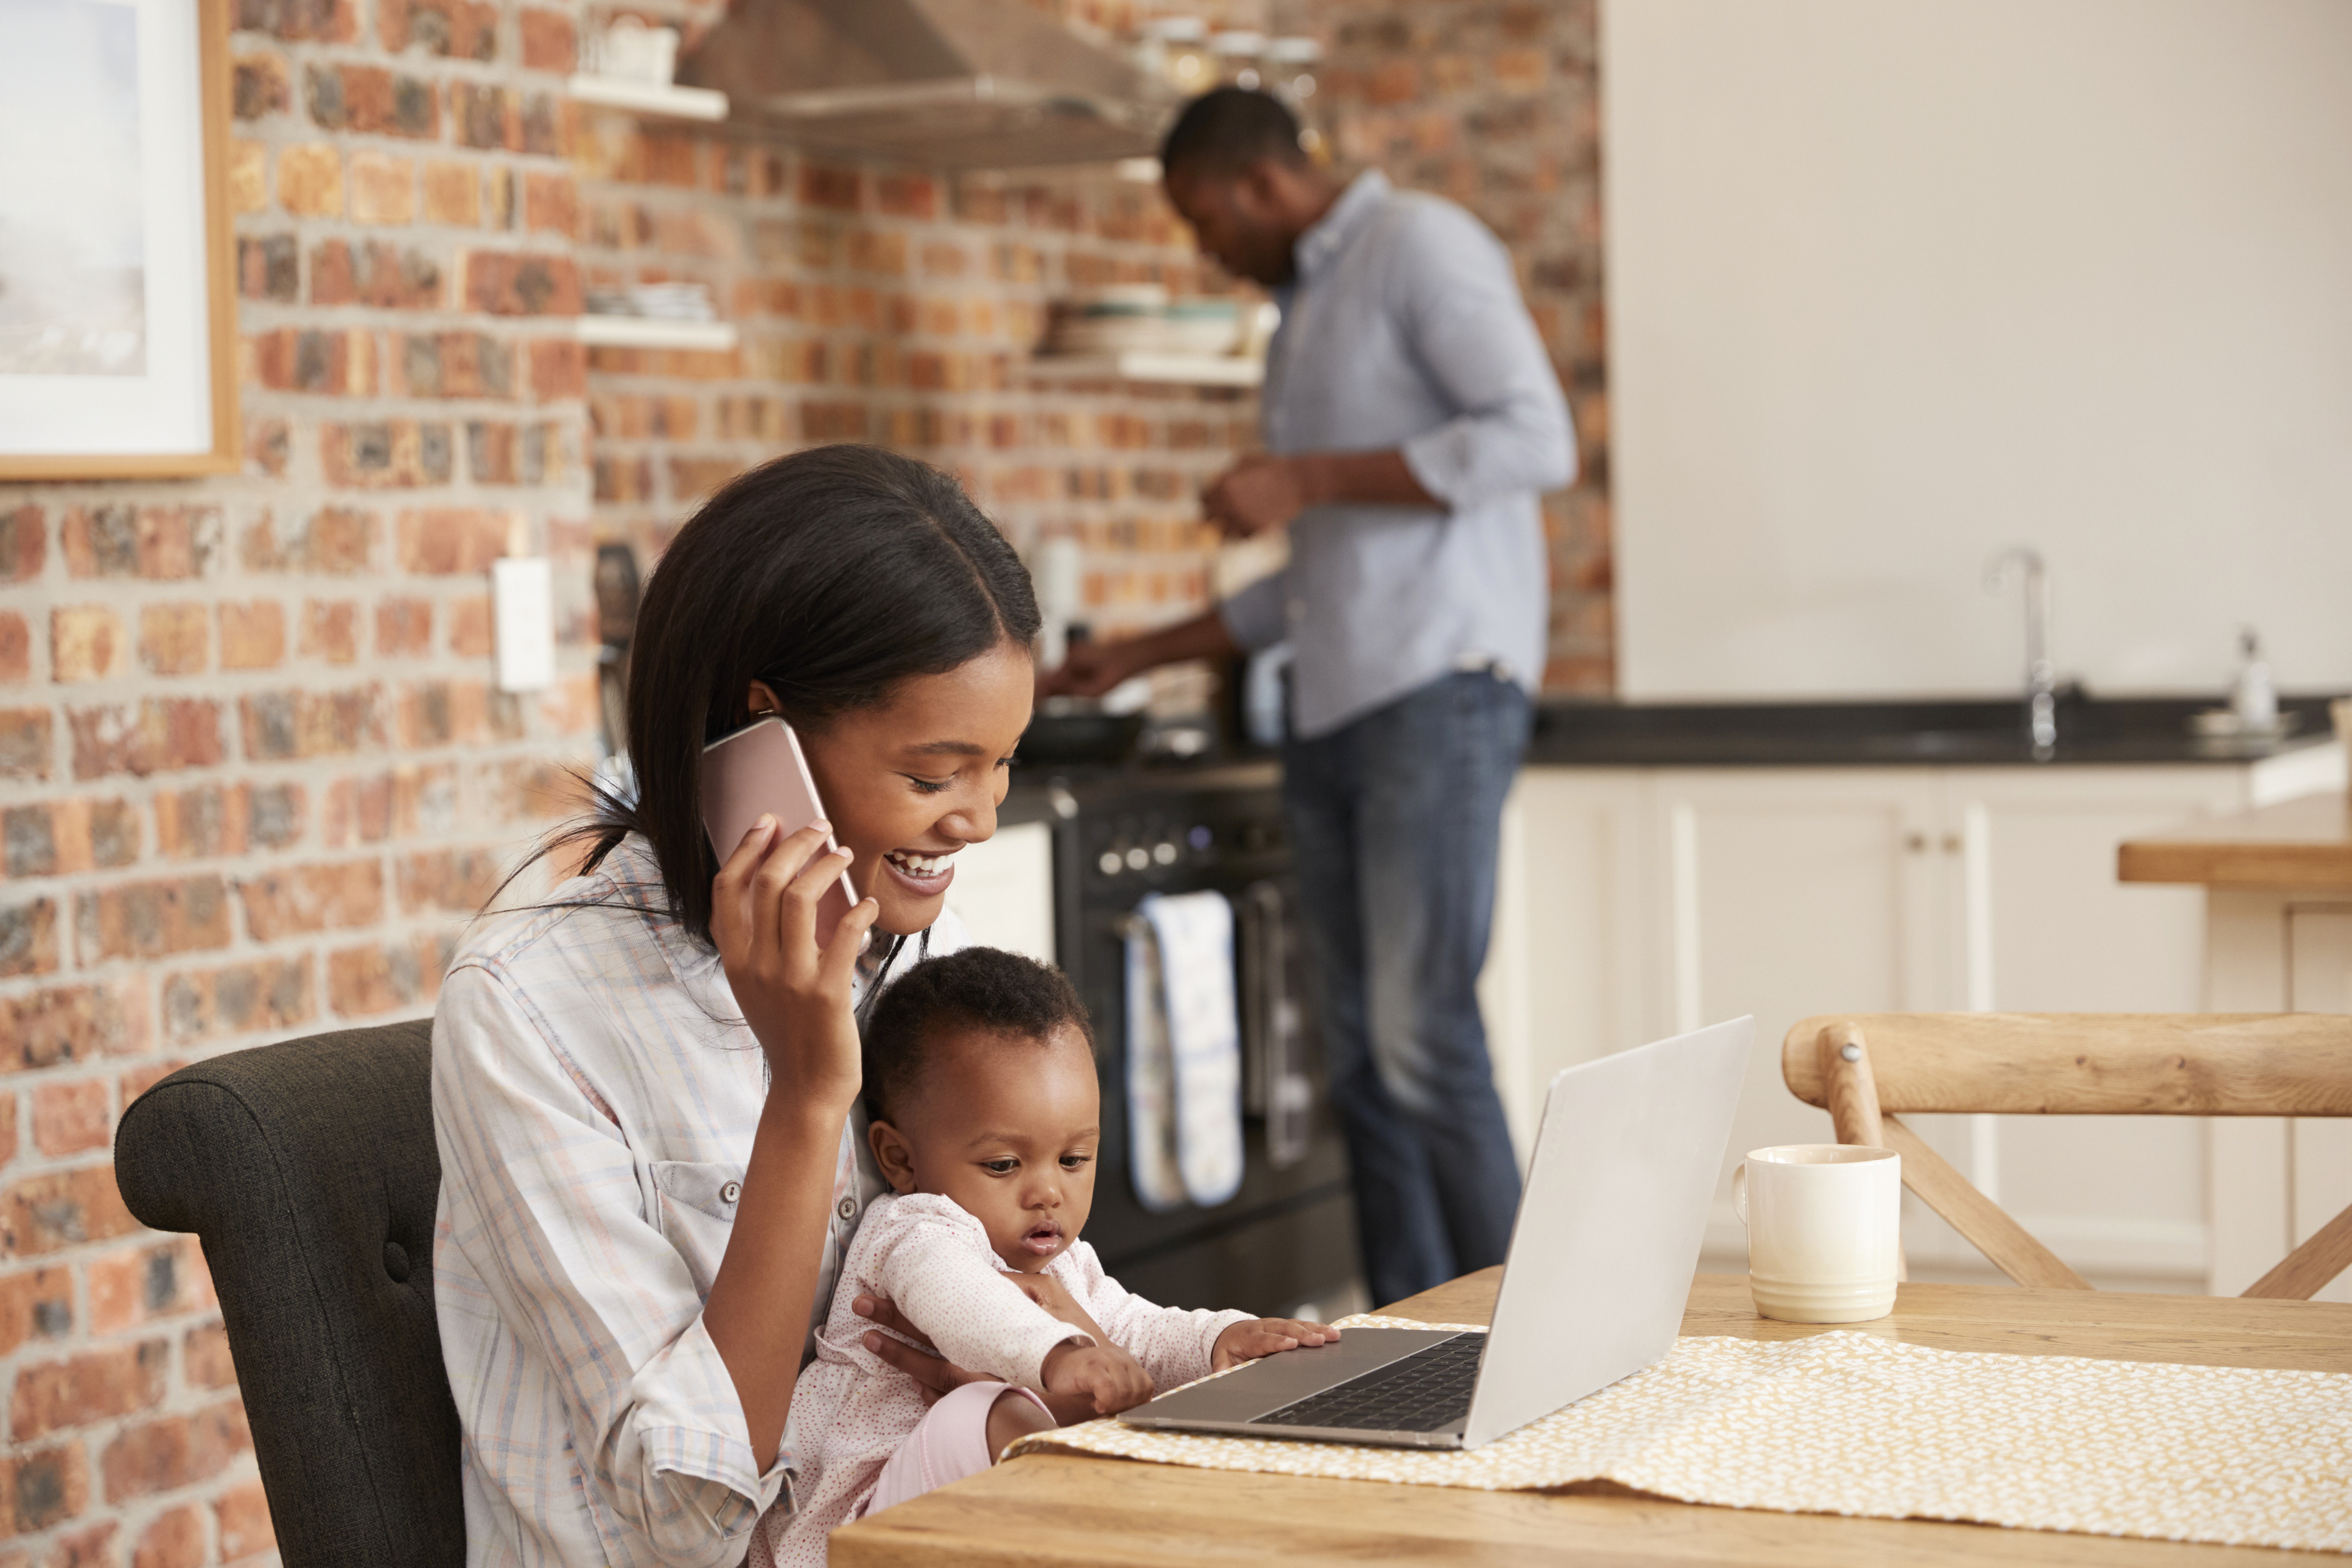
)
(1287, 1236)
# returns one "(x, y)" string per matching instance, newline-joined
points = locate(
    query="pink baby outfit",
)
(852, 1410)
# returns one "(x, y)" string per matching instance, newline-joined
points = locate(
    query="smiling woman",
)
(912, 779)
(819, 587)
(643, 1084)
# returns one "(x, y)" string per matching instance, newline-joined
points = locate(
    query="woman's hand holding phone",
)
(794, 993)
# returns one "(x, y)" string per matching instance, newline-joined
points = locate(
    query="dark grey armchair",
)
(308, 1171)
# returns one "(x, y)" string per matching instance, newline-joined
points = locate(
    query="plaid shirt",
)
(594, 1097)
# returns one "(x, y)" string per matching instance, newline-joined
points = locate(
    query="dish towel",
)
(1183, 1051)
(1850, 1422)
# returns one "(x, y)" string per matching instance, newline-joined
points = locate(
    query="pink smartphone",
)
(760, 768)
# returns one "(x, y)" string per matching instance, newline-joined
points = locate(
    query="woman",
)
(642, 1087)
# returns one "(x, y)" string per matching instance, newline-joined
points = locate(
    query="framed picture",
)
(117, 289)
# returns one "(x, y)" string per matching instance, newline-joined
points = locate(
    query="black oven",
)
(1286, 1239)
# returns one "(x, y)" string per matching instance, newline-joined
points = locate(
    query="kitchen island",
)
(2277, 890)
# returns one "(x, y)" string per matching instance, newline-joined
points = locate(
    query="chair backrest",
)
(308, 1171)
(1865, 1067)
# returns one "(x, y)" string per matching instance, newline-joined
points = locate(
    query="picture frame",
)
(118, 279)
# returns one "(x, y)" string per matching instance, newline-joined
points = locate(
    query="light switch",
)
(522, 592)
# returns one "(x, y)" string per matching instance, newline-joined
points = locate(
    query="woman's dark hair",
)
(831, 575)
(985, 990)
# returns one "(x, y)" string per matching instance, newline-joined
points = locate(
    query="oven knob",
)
(1138, 859)
(1164, 852)
(1110, 863)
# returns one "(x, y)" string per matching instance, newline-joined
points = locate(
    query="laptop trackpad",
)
(1285, 1379)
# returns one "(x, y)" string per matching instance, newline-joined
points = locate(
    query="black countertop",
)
(2096, 732)
(2091, 732)
(1045, 792)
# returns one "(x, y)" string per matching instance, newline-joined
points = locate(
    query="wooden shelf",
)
(645, 98)
(1190, 370)
(653, 332)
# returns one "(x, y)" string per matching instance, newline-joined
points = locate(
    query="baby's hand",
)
(1266, 1336)
(1113, 1379)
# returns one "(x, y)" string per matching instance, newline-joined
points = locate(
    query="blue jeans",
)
(1395, 819)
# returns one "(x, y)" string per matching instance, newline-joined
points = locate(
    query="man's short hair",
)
(1227, 128)
(982, 990)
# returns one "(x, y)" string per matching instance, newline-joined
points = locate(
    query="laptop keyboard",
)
(1425, 1392)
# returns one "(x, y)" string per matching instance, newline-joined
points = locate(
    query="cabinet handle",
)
(1915, 842)
(1951, 844)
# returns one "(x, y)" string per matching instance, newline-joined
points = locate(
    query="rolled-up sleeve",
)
(933, 1262)
(1459, 301)
(1259, 615)
(563, 1265)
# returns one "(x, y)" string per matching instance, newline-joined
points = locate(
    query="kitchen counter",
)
(1584, 734)
(2305, 843)
(2133, 730)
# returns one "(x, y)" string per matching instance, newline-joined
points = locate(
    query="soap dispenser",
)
(2254, 699)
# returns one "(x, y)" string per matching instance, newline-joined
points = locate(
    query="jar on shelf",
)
(630, 50)
(1238, 57)
(1177, 48)
(1290, 67)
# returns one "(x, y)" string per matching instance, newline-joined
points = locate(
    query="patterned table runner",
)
(1849, 1422)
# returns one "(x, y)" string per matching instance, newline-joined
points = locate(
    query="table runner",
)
(1853, 1424)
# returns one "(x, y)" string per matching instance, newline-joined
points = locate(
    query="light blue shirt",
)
(1404, 329)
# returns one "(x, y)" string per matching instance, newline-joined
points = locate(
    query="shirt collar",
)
(1329, 234)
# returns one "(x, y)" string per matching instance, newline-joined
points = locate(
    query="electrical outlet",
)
(522, 591)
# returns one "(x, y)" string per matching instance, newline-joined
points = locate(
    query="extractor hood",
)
(948, 84)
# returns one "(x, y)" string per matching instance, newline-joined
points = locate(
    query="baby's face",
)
(1007, 1127)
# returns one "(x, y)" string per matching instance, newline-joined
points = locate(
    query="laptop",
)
(1600, 1269)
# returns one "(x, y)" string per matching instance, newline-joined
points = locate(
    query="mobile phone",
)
(761, 769)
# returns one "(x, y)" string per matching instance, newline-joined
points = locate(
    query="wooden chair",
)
(1863, 1067)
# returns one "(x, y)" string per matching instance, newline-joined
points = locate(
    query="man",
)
(1411, 417)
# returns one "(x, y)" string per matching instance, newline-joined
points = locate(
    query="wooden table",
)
(2302, 843)
(1063, 1510)
(2278, 939)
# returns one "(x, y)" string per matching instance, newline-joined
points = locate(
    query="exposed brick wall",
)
(253, 768)
(901, 307)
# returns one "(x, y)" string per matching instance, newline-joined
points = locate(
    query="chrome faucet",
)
(2040, 683)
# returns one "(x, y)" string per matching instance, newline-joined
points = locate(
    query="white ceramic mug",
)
(1824, 1230)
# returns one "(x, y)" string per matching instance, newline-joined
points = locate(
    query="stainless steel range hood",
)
(950, 84)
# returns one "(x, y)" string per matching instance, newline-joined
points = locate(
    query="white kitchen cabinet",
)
(1637, 903)
(2046, 928)
(1567, 970)
(1784, 888)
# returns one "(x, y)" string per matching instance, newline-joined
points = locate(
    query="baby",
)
(980, 1080)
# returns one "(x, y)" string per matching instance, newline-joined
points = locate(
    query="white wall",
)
(1894, 283)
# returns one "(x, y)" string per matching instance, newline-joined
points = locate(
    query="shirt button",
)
(848, 1208)
(731, 1192)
